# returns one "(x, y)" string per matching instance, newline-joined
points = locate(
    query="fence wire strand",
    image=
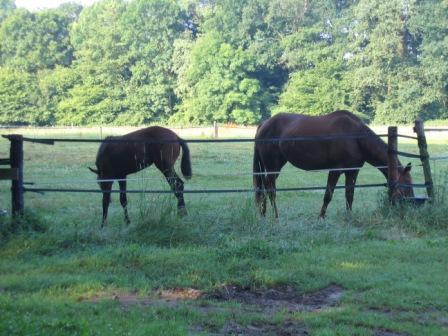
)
(62, 181)
(51, 141)
(201, 191)
(219, 191)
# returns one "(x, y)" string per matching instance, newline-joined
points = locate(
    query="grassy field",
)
(221, 270)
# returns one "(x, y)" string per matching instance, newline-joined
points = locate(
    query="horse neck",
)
(375, 151)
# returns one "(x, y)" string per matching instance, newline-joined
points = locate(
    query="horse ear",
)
(93, 170)
(408, 167)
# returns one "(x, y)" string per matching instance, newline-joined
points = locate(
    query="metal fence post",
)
(392, 162)
(424, 157)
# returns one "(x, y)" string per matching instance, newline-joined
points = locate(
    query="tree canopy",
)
(239, 61)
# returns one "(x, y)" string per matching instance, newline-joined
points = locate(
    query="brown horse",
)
(350, 153)
(115, 160)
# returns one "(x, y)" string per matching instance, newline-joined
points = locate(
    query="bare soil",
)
(287, 328)
(262, 301)
(280, 298)
(168, 297)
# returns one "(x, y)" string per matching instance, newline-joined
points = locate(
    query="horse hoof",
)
(182, 212)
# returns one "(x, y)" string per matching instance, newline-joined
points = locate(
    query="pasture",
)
(221, 270)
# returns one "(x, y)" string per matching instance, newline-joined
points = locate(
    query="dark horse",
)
(115, 160)
(349, 153)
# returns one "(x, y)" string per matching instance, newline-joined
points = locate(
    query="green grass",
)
(391, 262)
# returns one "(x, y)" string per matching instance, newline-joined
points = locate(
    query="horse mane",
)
(373, 143)
(351, 115)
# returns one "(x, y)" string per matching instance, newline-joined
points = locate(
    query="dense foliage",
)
(198, 61)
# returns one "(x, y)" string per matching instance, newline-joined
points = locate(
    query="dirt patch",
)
(280, 298)
(265, 302)
(287, 328)
(179, 294)
(168, 297)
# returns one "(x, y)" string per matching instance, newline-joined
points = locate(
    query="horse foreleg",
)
(124, 200)
(333, 177)
(350, 181)
(177, 186)
(106, 188)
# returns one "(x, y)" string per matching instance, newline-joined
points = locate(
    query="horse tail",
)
(258, 169)
(95, 171)
(185, 163)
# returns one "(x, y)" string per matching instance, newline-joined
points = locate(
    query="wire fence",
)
(141, 179)
(337, 137)
(51, 141)
(222, 191)
(439, 158)
(436, 129)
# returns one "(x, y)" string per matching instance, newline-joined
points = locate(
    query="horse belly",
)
(309, 156)
(130, 162)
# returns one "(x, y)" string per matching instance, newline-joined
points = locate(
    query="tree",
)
(19, 98)
(6, 8)
(314, 53)
(35, 41)
(54, 87)
(151, 27)
(217, 86)
(102, 63)
(316, 91)
(386, 61)
(141, 61)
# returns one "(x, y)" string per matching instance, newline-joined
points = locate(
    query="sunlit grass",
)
(390, 261)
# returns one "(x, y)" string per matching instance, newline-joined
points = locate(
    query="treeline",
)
(197, 61)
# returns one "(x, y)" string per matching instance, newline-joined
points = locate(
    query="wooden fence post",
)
(16, 159)
(215, 129)
(424, 157)
(392, 162)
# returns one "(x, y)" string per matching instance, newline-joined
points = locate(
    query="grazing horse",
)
(115, 160)
(350, 153)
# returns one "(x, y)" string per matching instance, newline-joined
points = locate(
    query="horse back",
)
(118, 159)
(315, 153)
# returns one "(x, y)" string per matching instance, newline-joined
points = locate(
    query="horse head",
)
(405, 181)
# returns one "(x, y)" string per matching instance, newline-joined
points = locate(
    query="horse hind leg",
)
(270, 186)
(262, 203)
(350, 181)
(177, 186)
(124, 201)
(270, 181)
(106, 188)
(333, 177)
(260, 192)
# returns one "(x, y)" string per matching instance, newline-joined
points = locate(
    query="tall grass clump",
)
(425, 218)
(159, 223)
(29, 221)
